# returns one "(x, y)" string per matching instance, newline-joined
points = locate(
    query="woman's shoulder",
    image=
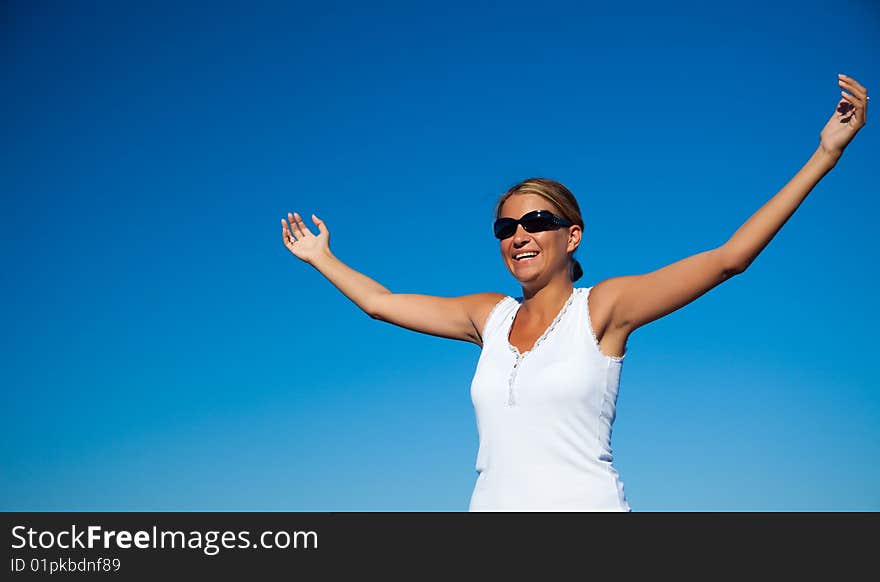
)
(484, 305)
(599, 299)
(487, 303)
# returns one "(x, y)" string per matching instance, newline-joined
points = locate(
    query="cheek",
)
(554, 247)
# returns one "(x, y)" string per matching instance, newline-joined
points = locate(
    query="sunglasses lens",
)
(538, 223)
(504, 228)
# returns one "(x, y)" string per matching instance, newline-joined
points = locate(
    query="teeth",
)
(525, 255)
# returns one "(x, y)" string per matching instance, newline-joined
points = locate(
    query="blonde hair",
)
(560, 197)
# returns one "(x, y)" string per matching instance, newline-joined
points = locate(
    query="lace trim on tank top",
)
(547, 332)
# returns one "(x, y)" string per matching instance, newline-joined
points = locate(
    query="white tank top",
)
(544, 417)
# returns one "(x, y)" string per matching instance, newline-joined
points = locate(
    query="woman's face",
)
(552, 246)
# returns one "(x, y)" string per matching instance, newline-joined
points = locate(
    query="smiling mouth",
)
(525, 257)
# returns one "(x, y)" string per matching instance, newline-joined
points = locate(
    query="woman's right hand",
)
(301, 242)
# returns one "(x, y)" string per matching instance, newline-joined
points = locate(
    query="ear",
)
(574, 238)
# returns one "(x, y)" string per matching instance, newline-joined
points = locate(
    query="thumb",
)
(322, 228)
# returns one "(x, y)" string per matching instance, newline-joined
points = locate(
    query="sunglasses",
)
(534, 221)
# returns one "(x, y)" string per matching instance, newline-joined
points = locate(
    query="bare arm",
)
(362, 290)
(848, 118)
(459, 318)
(449, 317)
(757, 232)
(640, 299)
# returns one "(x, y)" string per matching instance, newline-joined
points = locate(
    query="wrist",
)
(322, 258)
(827, 156)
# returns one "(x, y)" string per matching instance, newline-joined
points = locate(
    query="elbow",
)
(731, 264)
(373, 312)
(373, 308)
(736, 269)
(740, 267)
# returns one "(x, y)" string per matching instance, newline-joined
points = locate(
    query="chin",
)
(531, 276)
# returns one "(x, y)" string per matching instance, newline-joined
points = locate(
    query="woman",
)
(545, 387)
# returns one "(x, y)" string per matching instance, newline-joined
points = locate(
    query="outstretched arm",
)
(756, 233)
(461, 318)
(641, 299)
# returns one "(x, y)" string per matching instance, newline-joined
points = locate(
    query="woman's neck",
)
(544, 303)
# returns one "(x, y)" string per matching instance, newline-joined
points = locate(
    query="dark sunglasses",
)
(534, 221)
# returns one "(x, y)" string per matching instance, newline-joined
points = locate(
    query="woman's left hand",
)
(848, 119)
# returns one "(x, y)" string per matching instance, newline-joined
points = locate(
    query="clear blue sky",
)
(162, 350)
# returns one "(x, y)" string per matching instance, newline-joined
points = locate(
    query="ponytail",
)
(576, 271)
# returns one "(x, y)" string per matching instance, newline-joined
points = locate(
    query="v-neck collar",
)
(547, 331)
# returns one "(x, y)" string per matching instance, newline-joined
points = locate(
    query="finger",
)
(853, 89)
(857, 103)
(291, 225)
(857, 109)
(285, 234)
(854, 82)
(853, 100)
(301, 226)
(322, 228)
(291, 218)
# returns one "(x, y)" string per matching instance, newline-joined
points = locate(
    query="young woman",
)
(545, 387)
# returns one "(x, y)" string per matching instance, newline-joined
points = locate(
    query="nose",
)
(520, 236)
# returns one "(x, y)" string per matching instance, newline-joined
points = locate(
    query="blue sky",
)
(164, 351)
